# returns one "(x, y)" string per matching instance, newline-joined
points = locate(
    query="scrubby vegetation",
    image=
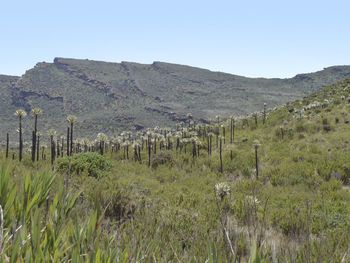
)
(85, 164)
(274, 190)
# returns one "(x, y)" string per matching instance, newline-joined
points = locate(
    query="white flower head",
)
(222, 189)
(252, 199)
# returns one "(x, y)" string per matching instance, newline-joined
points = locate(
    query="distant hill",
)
(108, 96)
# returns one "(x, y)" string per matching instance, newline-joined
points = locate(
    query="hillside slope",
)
(109, 96)
(194, 195)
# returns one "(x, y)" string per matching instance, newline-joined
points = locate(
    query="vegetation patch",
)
(84, 164)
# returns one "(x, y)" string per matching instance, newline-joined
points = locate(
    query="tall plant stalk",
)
(20, 114)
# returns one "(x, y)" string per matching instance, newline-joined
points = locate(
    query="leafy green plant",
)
(88, 164)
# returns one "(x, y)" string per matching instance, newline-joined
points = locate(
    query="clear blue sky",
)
(247, 37)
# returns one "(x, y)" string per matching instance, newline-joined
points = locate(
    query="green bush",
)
(88, 164)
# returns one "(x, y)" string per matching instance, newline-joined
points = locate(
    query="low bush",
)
(88, 164)
(161, 158)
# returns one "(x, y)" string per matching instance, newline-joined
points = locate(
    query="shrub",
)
(300, 128)
(114, 199)
(346, 174)
(337, 101)
(89, 164)
(325, 121)
(162, 158)
(327, 128)
(278, 132)
(275, 176)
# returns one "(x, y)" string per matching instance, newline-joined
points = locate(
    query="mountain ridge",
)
(182, 65)
(114, 96)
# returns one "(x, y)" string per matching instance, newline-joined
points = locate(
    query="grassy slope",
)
(168, 213)
(110, 96)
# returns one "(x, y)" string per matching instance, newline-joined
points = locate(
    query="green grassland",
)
(107, 208)
(112, 97)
